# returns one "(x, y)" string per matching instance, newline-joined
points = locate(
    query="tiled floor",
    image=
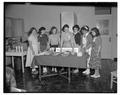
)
(80, 83)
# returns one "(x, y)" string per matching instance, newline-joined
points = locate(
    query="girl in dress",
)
(33, 48)
(95, 60)
(54, 38)
(86, 45)
(54, 41)
(78, 40)
(77, 35)
(67, 38)
(43, 41)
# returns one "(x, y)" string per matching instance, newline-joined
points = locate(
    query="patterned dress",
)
(67, 40)
(95, 59)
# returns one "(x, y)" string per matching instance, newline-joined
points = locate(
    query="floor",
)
(80, 83)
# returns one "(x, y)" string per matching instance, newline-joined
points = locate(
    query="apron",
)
(30, 55)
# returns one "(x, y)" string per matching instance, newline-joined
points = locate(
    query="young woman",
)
(78, 39)
(67, 38)
(54, 41)
(86, 45)
(77, 35)
(33, 47)
(43, 39)
(95, 60)
(54, 38)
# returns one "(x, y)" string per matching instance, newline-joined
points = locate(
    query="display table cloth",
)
(70, 61)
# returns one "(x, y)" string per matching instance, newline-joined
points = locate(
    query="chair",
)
(113, 78)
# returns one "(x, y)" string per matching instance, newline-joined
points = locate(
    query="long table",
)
(70, 61)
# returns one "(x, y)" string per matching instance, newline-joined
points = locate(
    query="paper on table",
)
(66, 49)
(79, 54)
(57, 49)
(76, 50)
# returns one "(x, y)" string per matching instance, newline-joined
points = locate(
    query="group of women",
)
(88, 40)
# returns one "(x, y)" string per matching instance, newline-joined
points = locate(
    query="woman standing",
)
(43, 39)
(54, 38)
(67, 38)
(95, 60)
(86, 45)
(77, 35)
(54, 41)
(33, 47)
(78, 40)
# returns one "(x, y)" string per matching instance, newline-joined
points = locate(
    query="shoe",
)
(87, 72)
(34, 72)
(44, 70)
(76, 71)
(95, 76)
(55, 69)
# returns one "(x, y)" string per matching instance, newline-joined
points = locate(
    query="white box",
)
(66, 49)
(57, 49)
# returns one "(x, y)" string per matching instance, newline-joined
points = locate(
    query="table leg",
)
(22, 64)
(69, 75)
(12, 61)
(39, 72)
(111, 82)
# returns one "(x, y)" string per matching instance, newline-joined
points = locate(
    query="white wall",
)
(36, 15)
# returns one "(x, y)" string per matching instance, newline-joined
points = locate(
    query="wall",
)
(114, 32)
(35, 15)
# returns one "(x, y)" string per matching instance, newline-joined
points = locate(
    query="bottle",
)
(21, 48)
(16, 48)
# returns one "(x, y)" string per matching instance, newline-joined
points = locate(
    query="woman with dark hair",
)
(33, 47)
(43, 39)
(86, 45)
(67, 38)
(78, 39)
(54, 38)
(77, 35)
(54, 41)
(95, 59)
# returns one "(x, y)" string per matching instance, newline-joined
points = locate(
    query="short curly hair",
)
(31, 30)
(40, 29)
(85, 28)
(66, 25)
(52, 29)
(96, 30)
(76, 26)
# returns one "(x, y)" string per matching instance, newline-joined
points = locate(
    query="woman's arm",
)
(62, 39)
(73, 42)
(31, 47)
(58, 40)
(89, 41)
(49, 42)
